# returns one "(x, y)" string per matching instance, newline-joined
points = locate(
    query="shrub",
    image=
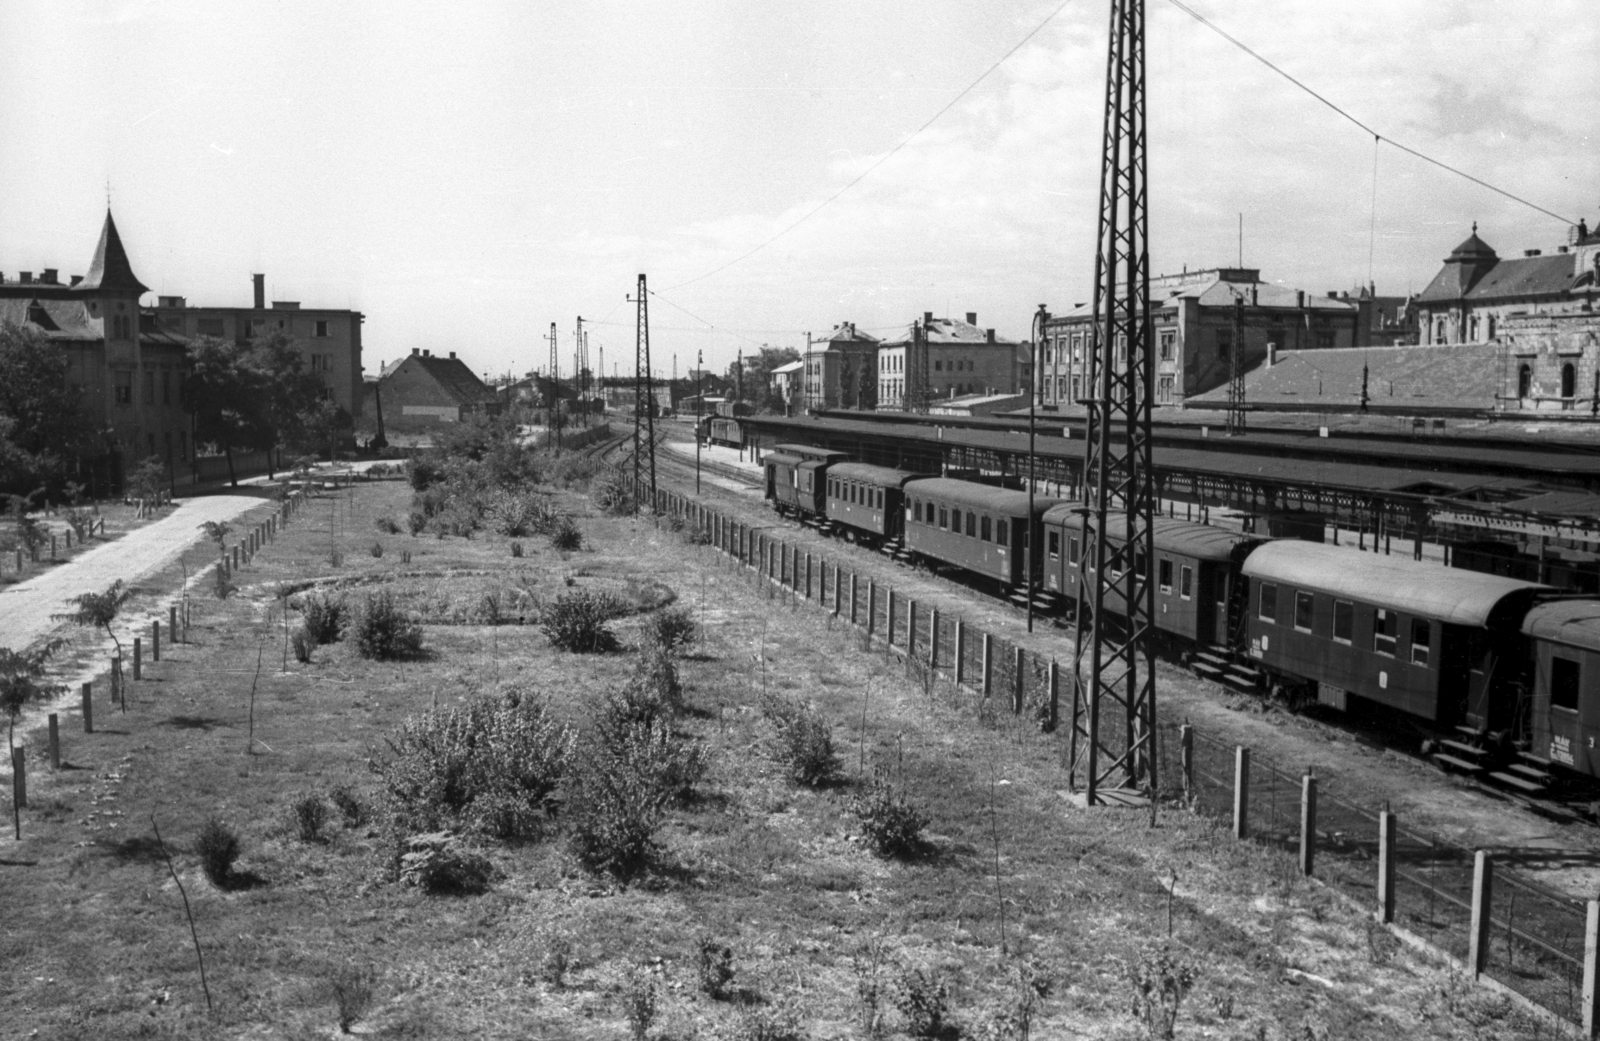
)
(221, 588)
(923, 998)
(613, 494)
(351, 811)
(804, 741)
(639, 1003)
(621, 789)
(657, 673)
(490, 764)
(352, 988)
(775, 1022)
(516, 549)
(326, 617)
(513, 513)
(310, 815)
(81, 521)
(566, 536)
(303, 644)
(384, 632)
(416, 521)
(715, 965)
(1159, 981)
(387, 525)
(889, 822)
(577, 622)
(671, 629)
(405, 556)
(217, 846)
(556, 961)
(376, 549)
(438, 863)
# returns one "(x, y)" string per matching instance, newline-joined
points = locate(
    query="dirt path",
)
(26, 607)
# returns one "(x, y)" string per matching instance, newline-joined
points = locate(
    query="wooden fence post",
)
(983, 679)
(1308, 824)
(808, 574)
(155, 641)
(961, 650)
(88, 711)
(872, 606)
(138, 659)
(1591, 969)
(19, 778)
(1185, 751)
(1482, 903)
(172, 624)
(1241, 792)
(888, 629)
(55, 742)
(911, 629)
(933, 639)
(1019, 683)
(1386, 879)
(836, 590)
(854, 589)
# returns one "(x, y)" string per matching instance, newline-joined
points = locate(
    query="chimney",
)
(1299, 298)
(76, 279)
(1531, 252)
(49, 276)
(416, 351)
(427, 353)
(972, 318)
(452, 354)
(1333, 295)
(25, 277)
(1272, 355)
(927, 316)
(988, 335)
(260, 282)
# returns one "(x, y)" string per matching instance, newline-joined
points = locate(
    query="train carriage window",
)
(1269, 602)
(1072, 550)
(1421, 636)
(916, 510)
(983, 530)
(1186, 582)
(1054, 543)
(1344, 621)
(944, 518)
(1564, 683)
(1164, 575)
(1305, 606)
(972, 524)
(880, 498)
(1001, 527)
(1385, 627)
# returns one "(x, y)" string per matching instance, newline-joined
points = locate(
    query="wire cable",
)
(882, 159)
(1203, 20)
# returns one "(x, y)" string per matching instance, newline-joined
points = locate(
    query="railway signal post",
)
(1114, 695)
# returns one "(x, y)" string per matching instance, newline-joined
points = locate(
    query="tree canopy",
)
(41, 420)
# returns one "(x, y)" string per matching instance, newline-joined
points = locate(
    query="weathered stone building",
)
(960, 358)
(841, 370)
(1551, 361)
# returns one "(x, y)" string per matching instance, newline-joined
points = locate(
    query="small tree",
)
(22, 682)
(216, 531)
(146, 480)
(100, 609)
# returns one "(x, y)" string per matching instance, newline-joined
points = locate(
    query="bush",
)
(804, 741)
(923, 998)
(613, 494)
(657, 673)
(890, 824)
(416, 521)
(217, 846)
(639, 1003)
(384, 632)
(577, 622)
(671, 629)
(376, 549)
(81, 521)
(352, 994)
(437, 863)
(310, 815)
(387, 525)
(776, 1022)
(351, 811)
(715, 964)
(516, 549)
(624, 783)
(1159, 981)
(490, 764)
(566, 536)
(303, 644)
(325, 617)
(513, 513)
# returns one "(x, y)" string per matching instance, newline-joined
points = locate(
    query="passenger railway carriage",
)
(796, 478)
(867, 502)
(988, 531)
(1565, 704)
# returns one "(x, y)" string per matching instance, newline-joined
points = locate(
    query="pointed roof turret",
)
(1473, 250)
(110, 269)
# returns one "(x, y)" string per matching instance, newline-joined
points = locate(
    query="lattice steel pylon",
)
(644, 413)
(553, 404)
(1236, 419)
(1114, 692)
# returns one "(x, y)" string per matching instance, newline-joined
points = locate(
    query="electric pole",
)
(699, 401)
(1114, 693)
(1236, 371)
(644, 413)
(555, 392)
(1040, 318)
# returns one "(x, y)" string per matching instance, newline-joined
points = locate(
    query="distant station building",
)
(1194, 318)
(328, 340)
(961, 359)
(131, 371)
(841, 369)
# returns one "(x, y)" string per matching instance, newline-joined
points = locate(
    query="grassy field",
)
(95, 942)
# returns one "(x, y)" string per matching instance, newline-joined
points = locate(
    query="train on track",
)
(1502, 674)
(723, 427)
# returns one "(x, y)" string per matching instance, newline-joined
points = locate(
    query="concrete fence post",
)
(888, 629)
(55, 742)
(983, 677)
(1482, 904)
(19, 560)
(88, 710)
(172, 624)
(1386, 879)
(933, 639)
(1591, 972)
(52, 547)
(911, 629)
(808, 574)
(138, 659)
(1308, 824)
(1019, 679)
(872, 606)
(854, 589)
(1241, 792)
(1185, 750)
(836, 587)
(19, 778)
(961, 651)
(155, 641)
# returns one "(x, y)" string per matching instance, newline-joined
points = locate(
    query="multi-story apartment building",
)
(130, 371)
(328, 339)
(841, 370)
(956, 357)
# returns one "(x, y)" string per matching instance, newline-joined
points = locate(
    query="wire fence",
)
(1530, 939)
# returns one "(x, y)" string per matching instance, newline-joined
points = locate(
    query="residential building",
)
(957, 357)
(1477, 290)
(841, 370)
(130, 371)
(329, 340)
(1196, 316)
(423, 390)
(785, 380)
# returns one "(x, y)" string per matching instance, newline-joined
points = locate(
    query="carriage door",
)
(1221, 622)
(772, 482)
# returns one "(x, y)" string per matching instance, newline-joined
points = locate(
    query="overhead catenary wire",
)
(1203, 20)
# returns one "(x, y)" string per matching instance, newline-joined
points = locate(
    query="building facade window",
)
(1569, 380)
(1524, 380)
(150, 392)
(123, 387)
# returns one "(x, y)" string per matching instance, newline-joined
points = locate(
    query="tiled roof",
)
(64, 320)
(794, 366)
(1222, 293)
(453, 375)
(846, 332)
(951, 331)
(110, 268)
(1454, 375)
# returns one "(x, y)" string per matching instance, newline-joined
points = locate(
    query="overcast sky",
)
(466, 173)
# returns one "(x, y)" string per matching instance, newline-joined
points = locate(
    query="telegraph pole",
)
(1114, 694)
(555, 390)
(1039, 319)
(699, 401)
(1236, 371)
(644, 418)
(577, 368)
